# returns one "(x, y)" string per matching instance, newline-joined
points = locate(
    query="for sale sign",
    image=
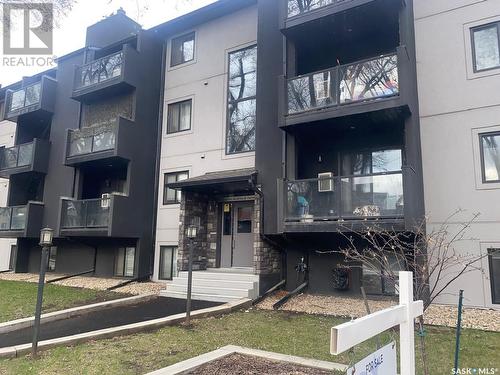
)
(381, 362)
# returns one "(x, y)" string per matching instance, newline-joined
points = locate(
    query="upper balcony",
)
(298, 12)
(110, 216)
(37, 99)
(342, 203)
(27, 157)
(109, 140)
(21, 221)
(364, 86)
(107, 76)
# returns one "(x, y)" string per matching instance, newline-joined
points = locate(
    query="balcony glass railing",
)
(99, 71)
(89, 213)
(24, 98)
(345, 198)
(17, 156)
(12, 218)
(296, 7)
(361, 81)
(92, 139)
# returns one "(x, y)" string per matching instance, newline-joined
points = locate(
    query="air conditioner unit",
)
(105, 200)
(325, 182)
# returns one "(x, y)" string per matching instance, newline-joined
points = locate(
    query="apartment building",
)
(83, 153)
(458, 63)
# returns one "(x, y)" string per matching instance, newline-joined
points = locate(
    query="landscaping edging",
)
(195, 362)
(15, 351)
(14, 325)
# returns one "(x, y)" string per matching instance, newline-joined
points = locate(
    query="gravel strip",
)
(238, 364)
(95, 283)
(440, 315)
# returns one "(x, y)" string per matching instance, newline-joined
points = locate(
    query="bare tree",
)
(58, 8)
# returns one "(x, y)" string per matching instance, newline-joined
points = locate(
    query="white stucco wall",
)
(7, 133)
(455, 105)
(204, 80)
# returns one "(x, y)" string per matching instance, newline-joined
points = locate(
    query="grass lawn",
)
(296, 334)
(18, 298)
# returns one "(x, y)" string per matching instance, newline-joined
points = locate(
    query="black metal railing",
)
(13, 218)
(98, 71)
(92, 139)
(88, 213)
(297, 7)
(365, 80)
(17, 156)
(23, 98)
(344, 198)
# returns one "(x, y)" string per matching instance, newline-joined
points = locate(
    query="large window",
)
(379, 278)
(125, 262)
(168, 255)
(13, 257)
(172, 196)
(494, 260)
(182, 49)
(486, 46)
(490, 156)
(369, 162)
(179, 116)
(242, 93)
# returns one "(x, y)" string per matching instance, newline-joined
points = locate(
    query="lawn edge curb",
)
(148, 325)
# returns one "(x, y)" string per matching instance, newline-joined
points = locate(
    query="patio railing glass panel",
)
(90, 213)
(13, 218)
(17, 156)
(99, 71)
(371, 79)
(25, 97)
(346, 198)
(92, 139)
(296, 7)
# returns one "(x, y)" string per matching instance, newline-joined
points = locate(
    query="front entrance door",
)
(237, 235)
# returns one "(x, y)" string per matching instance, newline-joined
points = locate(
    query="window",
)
(168, 255)
(494, 261)
(13, 257)
(245, 215)
(51, 261)
(125, 262)
(182, 49)
(172, 196)
(490, 156)
(377, 277)
(242, 91)
(368, 162)
(179, 116)
(486, 47)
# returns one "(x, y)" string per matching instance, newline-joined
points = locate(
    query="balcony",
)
(27, 157)
(104, 217)
(364, 86)
(315, 204)
(107, 76)
(21, 221)
(297, 12)
(35, 99)
(109, 140)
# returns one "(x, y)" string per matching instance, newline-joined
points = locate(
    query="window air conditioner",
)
(325, 182)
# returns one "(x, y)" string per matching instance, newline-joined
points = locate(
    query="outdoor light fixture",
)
(46, 235)
(192, 230)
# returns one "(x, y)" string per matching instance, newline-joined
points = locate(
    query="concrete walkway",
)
(116, 316)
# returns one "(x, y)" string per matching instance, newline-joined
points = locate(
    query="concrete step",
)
(200, 296)
(239, 270)
(218, 291)
(225, 276)
(216, 283)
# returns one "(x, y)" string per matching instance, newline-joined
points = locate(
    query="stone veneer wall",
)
(267, 259)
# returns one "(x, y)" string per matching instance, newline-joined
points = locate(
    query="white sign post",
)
(347, 335)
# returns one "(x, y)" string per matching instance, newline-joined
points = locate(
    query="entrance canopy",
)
(224, 182)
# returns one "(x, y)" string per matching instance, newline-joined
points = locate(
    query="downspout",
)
(158, 157)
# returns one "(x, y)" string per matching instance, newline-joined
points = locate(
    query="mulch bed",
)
(238, 364)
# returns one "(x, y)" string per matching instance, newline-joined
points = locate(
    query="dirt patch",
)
(238, 364)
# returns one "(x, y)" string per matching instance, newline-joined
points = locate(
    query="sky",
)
(69, 34)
